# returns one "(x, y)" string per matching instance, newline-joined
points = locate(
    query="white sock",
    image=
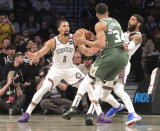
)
(119, 91)
(91, 109)
(76, 101)
(98, 109)
(30, 108)
(96, 95)
(82, 89)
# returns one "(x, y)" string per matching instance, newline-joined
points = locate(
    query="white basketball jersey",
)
(126, 40)
(63, 53)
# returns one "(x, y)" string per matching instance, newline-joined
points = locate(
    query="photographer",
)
(6, 28)
(11, 96)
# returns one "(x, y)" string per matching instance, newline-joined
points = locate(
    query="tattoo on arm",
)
(137, 39)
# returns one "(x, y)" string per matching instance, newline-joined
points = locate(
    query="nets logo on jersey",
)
(78, 75)
(66, 49)
(70, 41)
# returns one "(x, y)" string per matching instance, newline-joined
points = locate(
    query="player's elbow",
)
(102, 45)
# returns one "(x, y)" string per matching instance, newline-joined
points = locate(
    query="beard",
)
(132, 28)
(66, 33)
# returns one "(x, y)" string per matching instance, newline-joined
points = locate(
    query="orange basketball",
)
(88, 34)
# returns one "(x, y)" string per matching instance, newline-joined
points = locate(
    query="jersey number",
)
(119, 37)
(64, 59)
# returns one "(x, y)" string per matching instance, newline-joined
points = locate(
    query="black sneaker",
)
(67, 115)
(89, 120)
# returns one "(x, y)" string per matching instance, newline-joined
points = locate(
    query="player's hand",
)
(125, 46)
(90, 35)
(29, 55)
(79, 39)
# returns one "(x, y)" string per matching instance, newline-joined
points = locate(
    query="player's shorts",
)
(106, 67)
(122, 77)
(71, 75)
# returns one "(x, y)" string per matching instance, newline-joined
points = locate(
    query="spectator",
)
(150, 25)
(5, 43)
(6, 29)
(34, 48)
(31, 25)
(151, 52)
(7, 58)
(15, 24)
(53, 103)
(38, 40)
(11, 96)
(25, 36)
(86, 65)
(44, 31)
(16, 66)
(41, 7)
(18, 42)
(29, 44)
(77, 58)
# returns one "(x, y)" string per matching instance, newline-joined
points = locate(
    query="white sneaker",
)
(133, 118)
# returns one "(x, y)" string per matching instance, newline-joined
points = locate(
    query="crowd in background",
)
(26, 25)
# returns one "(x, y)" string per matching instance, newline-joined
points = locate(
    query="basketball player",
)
(108, 65)
(62, 68)
(133, 41)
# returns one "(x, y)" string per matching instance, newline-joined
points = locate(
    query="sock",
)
(96, 95)
(98, 109)
(82, 90)
(91, 109)
(119, 91)
(30, 108)
(76, 101)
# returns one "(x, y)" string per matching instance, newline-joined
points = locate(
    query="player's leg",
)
(84, 87)
(96, 106)
(49, 82)
(116, 106)
(119, 91)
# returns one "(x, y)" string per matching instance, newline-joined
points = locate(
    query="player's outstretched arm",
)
(84, 50)
(50, 44)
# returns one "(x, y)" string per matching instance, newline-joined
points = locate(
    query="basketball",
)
(89, 35)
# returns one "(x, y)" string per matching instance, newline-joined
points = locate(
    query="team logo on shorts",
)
(78, 75)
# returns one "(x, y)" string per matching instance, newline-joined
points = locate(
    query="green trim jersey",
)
(114, 33)
(113, 57)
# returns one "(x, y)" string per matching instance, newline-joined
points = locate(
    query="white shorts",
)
(71, 75)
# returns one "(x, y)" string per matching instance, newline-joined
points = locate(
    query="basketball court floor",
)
(57, 123)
